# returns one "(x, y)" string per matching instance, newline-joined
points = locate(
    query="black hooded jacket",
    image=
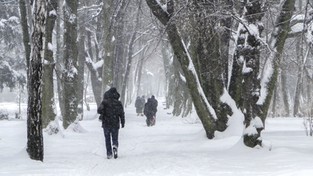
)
(112, 110)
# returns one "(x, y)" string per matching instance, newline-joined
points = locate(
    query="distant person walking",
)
(154, 105)
(150, 111)
(112, 115)
(139, 104)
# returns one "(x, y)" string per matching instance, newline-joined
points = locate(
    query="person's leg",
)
(115, 141)
(153, 121)
(148, 121)
(107, 135)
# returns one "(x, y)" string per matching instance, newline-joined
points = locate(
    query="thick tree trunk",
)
(71, 63)
(207, 55)
(278, 39)
(120, 55)
(34, 111)
(48, 111)
(205, 112)
(107, 72)
(245, 84)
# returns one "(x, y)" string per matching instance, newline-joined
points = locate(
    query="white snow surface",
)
(174, 146)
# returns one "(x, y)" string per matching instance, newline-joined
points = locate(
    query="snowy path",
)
(174, 146)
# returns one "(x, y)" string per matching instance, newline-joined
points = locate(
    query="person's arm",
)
(122, 116)
(100, 108)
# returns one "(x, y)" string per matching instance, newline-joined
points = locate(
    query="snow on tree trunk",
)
(206, 47)
(34, 109)
(70, 73)
(204, 110)
(59, 58)
(270, 70)
(245, 84)
(48, 106)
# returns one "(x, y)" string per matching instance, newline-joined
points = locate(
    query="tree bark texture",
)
(26, 37)
(70, 62)
(206, 53)
(95, 74)
(279, 36)
(59, 59)
(107, 72)
(81, 63)
(245, 84)
(34, 109)
(48, 105)
(206, 116)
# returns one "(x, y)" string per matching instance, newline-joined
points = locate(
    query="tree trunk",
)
(167, 69)
(278, 39)
(48, 111)
(81, 65)
(107, 72)
(300, 63)
(204, 110)
(59, 60)
(274, 102)
(26, 39)
(130, 57)
(34, 111)
(206, 54)
(246, 66)
(119, 57)
(71, 63)
(139, 73)
(95, 74)
(285, 91)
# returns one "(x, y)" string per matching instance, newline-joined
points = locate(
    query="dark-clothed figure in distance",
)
(112, 115)
(154, 105)
(150, 111)
(139, 104)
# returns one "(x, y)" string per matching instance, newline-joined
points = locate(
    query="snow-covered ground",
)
(175, 147)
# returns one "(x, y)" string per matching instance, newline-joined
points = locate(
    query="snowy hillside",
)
(175, 146)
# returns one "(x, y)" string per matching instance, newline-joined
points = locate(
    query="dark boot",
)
(115, 152)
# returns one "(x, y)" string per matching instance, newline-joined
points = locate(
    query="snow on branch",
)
(266, 77)
(163, 6)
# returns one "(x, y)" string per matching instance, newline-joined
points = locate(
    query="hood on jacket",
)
(111, 93)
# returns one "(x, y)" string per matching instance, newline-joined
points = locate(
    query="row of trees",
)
(226, 59)
(225, 50)
(67, 37)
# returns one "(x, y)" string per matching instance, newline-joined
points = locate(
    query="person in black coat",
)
(139, 104)
(149, 112)
(112, 115)
(154, 104)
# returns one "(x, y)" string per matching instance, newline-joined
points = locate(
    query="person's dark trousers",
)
(149, 121)
(111, 137)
